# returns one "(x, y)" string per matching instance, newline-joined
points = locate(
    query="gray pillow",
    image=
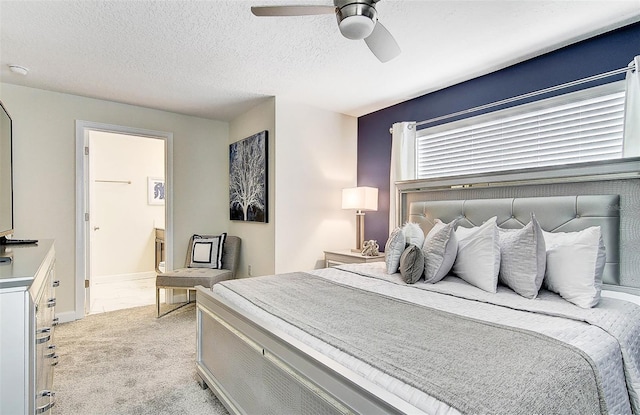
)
(393, 250)
(440, 249)
(412, 264)
(523, 258)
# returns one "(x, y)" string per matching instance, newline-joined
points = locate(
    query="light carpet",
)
(130, 362)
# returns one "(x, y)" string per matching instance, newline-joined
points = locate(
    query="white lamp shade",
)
(360, 198)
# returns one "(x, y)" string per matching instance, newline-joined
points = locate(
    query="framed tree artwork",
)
(248, 179)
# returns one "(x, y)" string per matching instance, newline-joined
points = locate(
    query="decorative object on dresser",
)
(361, 199)
(347, 256)
(210, 259)
(248, 179)
(371, 248)
(27, 320)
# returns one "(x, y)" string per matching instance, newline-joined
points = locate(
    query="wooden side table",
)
(160, 251)
(346, 256)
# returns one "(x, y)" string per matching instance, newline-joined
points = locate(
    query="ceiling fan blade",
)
(382, 43)
(272, 11)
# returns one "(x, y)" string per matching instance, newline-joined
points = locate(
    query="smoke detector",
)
(21, 70)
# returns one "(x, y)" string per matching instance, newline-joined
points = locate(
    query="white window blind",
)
(573, 128)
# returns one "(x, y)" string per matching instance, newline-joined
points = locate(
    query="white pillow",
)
(413, 234)
(522, 258)
(478, 259)
(207, 252)
(440, 249)
(575, 263)
(463, 232)
(393, 250)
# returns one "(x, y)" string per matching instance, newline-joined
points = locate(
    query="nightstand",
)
(346, 256)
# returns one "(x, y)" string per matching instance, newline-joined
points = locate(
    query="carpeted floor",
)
(129, 362)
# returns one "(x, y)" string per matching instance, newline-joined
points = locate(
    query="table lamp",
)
(361, 199)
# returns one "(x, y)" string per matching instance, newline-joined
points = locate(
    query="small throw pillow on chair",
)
(207, 252)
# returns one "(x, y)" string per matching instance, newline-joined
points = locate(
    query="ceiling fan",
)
(357, 19)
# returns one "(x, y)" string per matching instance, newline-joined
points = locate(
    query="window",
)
(572, 128)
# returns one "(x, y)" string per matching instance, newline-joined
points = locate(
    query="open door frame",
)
(82, 200)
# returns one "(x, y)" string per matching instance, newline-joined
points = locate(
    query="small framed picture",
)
(155, 191)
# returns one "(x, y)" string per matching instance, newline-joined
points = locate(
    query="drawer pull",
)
(55, 360)
(52, 350)
(45, 408)
(56, 283)
(44, 339)
(56, 321)
(51, 302)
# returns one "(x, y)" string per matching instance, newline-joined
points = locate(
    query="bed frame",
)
(254, 368)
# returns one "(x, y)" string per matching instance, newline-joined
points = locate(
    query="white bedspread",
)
(549, 315)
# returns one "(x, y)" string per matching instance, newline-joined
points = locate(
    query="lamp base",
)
(359, 231)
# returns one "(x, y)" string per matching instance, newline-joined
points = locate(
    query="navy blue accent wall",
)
(593, 56)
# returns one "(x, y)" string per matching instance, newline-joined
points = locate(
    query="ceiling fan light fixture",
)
(356, 20)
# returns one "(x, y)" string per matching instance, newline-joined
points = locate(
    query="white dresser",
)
(27, 320)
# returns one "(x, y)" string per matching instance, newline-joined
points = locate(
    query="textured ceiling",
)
(214, 59)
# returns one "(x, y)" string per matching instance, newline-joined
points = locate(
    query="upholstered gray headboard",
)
(554, 213)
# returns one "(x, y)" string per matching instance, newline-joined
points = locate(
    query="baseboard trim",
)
(176, 296)
(66, 316)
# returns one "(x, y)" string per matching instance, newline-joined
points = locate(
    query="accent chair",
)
(188, 278)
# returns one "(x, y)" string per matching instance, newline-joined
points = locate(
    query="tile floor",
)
(110, 296)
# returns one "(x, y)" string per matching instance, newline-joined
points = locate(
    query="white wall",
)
(44, 167)
(258, 239)
(316, 157)
(120, 166)
(312, 157)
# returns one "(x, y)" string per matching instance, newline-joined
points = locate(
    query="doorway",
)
(126, 187)
(125, 190)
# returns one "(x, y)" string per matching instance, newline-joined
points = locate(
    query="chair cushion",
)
(190, 277)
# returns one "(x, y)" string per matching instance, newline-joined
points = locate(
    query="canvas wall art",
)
(248, 179)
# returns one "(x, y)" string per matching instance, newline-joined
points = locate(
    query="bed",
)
(358, 339)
